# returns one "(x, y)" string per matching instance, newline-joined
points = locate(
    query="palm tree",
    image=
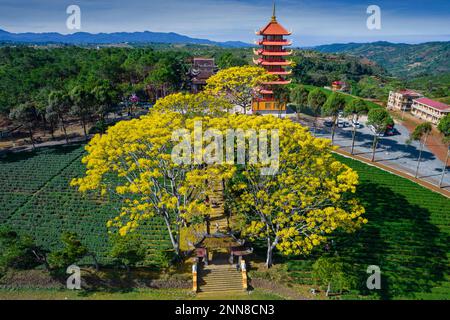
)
(420, 133)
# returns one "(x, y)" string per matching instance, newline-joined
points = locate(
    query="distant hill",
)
(83, 38)
(402, 60)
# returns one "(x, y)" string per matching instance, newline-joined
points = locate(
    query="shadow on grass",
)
(400, 239)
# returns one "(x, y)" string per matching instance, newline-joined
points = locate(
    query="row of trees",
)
(53, 110)
(21, 252)
(318, 103)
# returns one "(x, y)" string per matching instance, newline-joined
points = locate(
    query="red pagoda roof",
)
(271, 63)
(273, 28)
(272, 53)
(274, 43)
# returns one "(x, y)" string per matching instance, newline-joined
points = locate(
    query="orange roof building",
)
(272, 55)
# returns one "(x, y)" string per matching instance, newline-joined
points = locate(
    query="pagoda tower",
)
(272, 56)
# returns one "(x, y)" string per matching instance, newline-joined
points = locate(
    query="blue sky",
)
(312, 21)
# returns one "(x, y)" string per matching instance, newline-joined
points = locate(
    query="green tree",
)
(379, 119)
(73, 250)
(25, 115)
(128, 249)
(444, 128)
(355, 108)
(330, 272)
(82, 101)
(16, 251)
(59, 105)
(104, 97)
(281, 95)
(332, 107)
(316, 100)
(228, 59)
(299, 96)
(420, 133)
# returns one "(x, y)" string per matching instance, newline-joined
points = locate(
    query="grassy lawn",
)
(407, 237)
(137, 294)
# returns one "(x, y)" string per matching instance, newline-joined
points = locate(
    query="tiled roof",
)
(434, 104)
(410, 93)
(273, 28)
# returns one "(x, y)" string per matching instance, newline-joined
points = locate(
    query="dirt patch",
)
(29, 279)
(277, 288)
(104, 280)
(434, 141)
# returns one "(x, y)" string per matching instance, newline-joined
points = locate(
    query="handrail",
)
(244, 275)
(194, 277)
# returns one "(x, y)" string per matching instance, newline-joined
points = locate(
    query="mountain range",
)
(400, 59)
(80, 38)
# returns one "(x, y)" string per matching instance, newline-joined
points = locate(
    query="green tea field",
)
(407, 235)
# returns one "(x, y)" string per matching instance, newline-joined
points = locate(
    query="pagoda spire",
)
(274, 16)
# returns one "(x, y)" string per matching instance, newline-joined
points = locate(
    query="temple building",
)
(272, 56)
(200, 71)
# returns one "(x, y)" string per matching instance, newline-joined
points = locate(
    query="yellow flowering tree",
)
(238, 84)
(133, 160)
(305, 201)
(193, 104)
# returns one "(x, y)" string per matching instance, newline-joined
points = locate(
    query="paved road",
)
(392, 151)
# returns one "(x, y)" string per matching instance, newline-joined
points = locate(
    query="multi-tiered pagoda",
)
(272, 56)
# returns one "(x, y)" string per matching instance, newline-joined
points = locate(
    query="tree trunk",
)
(94, 257)
(269, 257)
(31, 137)
(52, 130)
(420, 156)
(444, 168)
(353, 139)
(374, 146)
(314, 127)
(83, 122)
(175, 244)
(333, 130)
(328, 289)
(64, 129)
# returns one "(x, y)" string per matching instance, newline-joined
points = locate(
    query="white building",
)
(402, 100)
(429, 110)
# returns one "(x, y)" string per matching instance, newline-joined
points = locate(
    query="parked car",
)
(356, 124)
(340, 124)
(328, 123)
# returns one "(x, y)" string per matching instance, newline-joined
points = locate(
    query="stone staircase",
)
(221, 278)
(218, 220)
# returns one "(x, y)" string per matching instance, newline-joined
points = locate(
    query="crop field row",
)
(50, 206)
(407, 237)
